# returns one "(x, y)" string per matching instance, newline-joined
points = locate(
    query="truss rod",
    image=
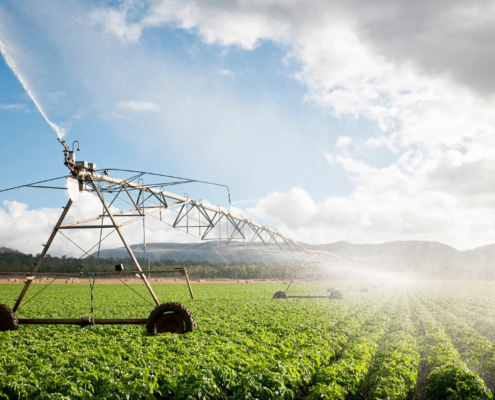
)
(143, 276)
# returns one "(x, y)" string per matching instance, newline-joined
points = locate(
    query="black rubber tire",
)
(8, 320)
(336, 295)
(330, 290)
(280, 295)
(171, 310)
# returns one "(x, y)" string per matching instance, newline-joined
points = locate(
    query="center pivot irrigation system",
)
(141, 202)
(314, 260)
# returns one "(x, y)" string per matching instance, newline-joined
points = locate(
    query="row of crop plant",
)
(390, 344)
(477, 314)
(395, 372)
(475, 349)
(394, 346)
(254, 348)
(344, 377)
(381, 362)
(442, 373)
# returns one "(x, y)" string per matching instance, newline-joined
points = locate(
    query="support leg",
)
(43, 254)
(188, 283)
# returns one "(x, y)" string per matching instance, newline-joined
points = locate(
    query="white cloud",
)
(14, 107)
(116, 22)
(226, 72)
(411, 77)
(138, 106)
(420, 70)
(26, 230)
(118, 116)
(443, 196)
(343, 142)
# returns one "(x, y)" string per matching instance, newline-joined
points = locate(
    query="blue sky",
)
(293, 154)
(317, 122)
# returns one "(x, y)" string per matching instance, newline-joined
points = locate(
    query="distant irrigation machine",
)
(314, 260)
(144, 202)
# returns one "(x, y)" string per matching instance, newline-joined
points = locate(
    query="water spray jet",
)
(13, 66)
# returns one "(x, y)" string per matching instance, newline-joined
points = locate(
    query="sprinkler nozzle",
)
(63, 144)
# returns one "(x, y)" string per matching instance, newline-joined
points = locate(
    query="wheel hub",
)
(170, 322)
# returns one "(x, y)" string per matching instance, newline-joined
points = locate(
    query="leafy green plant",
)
(345, 377)
(385, 344)
(445, 376)
(246, 345)
(453, 382)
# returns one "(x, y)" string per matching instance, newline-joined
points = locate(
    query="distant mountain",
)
(213, 252)
(406, 254)
(399, 255)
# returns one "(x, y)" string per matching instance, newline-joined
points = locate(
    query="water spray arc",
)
(13, 66)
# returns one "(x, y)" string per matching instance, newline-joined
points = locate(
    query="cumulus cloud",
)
(372, 218)
(117, 22)
(138, 106)
(343, 142)
(439, 37)
(443, 196)
(407, 66)
(421, 71)
(27, 230)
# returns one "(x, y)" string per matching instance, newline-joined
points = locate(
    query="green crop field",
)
(428, 341)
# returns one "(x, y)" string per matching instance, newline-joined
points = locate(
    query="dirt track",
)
(135, 280)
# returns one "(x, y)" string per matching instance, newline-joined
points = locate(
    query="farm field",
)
(421, 341)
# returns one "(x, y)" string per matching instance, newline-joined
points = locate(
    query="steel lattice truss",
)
(190, 216)
(142, 202)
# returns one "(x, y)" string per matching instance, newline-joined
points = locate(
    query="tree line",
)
(18, 262)
(14, 261)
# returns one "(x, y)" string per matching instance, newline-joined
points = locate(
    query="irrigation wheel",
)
(337, 294)
(280, 295)
(330, 290)
(8, 320)
(364, 289)
(170, 317)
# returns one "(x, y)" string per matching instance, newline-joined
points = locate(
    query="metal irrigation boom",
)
(203, 221)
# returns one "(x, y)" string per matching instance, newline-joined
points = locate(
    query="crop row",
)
(477, 296)
(386, 344)
(396, 364)
(476, 350)
(442, 372)
(345, 376)
(375, 362)
(246, 346)
(473, 312)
